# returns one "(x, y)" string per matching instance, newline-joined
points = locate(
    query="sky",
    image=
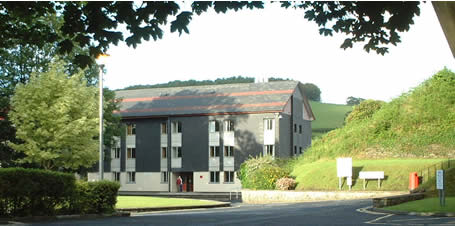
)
(278, 42)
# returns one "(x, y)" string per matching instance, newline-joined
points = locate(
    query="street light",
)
(101, 61)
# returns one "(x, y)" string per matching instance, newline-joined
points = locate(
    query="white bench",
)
(366, 175)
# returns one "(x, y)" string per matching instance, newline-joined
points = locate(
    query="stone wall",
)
(395, 200)
(272, 196)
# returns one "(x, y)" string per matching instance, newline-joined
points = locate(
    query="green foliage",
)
(312, 92)
(25, 192)
(192, 82)
(94, 197)
(262, 172)
(56, 120)
(416, 124)
(95, 25)
(322, 174)
(354, 100)
(364, 110)
(328, 117)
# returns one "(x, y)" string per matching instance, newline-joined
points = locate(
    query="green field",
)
(426, 205)
(147, 201)
(322, 174)
(328, 117)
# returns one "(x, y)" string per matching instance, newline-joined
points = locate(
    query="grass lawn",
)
(426, 205)
(147, 201)
(322, 174)
(328, 117)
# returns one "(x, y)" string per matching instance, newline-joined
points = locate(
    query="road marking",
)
(182, 211)
(365, 210)
(380, 218)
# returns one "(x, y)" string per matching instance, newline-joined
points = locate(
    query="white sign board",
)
(344, 167)
(440, 179)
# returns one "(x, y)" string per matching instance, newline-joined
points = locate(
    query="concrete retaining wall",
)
(265, 196)
(395, 200)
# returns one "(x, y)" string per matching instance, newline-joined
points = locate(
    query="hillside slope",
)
(418, 124)
(328, 117)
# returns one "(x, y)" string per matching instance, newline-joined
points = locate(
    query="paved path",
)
(351, 212)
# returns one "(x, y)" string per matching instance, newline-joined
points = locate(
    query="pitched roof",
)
(206, 100)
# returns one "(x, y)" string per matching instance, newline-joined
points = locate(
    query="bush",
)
(94, 197)
(25, 192)
(262, 172)
(285, 183)
(364, 110)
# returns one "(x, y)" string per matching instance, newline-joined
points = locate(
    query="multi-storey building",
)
(204, 133)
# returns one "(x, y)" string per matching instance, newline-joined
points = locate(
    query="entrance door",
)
(187, 181)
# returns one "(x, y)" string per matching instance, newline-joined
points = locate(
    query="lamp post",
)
(101, 60)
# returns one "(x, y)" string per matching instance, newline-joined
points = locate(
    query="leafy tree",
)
(95, 25)
(364, 110)
(56, 119)
(354, 100)
(312, 92)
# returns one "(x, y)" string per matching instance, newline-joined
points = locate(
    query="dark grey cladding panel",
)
(285, 142)
(195, 140)
(307, 134)
(248, 137)
(148, 145)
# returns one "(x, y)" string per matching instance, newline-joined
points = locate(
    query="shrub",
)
(364, 110)
(26, 192)
(94, 197)
(262, 172)
(285, 183)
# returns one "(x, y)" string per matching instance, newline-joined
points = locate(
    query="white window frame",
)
(229, 151)
(131, 129)
(163, 128)
(229, 177)
(176, 127)
(214, 151)
(131, 175)
(214, 177)
(116, 176)
(163, 152)
(269, 149)
(164, 177)
(229, 126)
(131, 153)
(175, 152)
(117, 152)
(268, 124)
(214, 126)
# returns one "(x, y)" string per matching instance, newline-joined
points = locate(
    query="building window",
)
(214, 177)
(163, 128)
(214, 126)
(116, 153)
(300, 150)
(131, 129)
(131, 153)
(229, 177)
(295, 150)
(177, 152)
(269, 150)
(214, 151)
(163, 152)
(164, 178)
(131, 177)
(268, 124)
(116, 176)
(228, 125)
(176, 127)
(295, 128)
(229, 151)
(300, 129)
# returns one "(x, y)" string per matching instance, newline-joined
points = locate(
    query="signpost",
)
(344, 169)
(440, 186)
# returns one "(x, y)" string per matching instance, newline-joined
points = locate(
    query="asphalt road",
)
(317, 213)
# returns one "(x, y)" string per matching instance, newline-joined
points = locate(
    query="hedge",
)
(33, 192)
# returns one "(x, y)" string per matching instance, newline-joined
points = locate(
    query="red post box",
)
(413, 181)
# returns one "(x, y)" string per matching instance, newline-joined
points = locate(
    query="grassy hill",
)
(328, 117)
(400, 137)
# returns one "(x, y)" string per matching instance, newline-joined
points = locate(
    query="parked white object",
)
(366, 175)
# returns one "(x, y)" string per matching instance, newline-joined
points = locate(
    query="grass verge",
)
(428, 205)
(328, 117)
(322, 175)
(147, 201)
